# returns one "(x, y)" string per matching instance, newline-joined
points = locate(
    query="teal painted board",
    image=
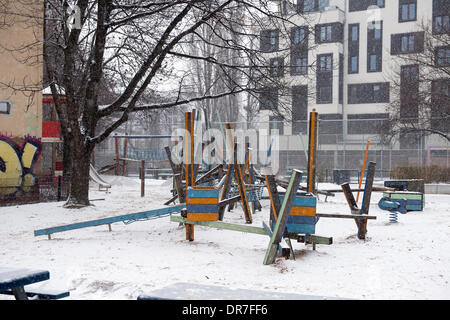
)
(202, 208)
(301, 228)
(303, 201)
(129, 217)
(208, 193)
(302, 220)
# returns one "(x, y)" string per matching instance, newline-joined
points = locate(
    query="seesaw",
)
(126, 219)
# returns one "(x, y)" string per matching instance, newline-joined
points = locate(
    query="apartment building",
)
(340, 57)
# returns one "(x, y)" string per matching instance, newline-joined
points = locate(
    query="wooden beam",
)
(282, 217)
(345, 216)
(362, 170)
(366, 200)
(312, 152)
(220, 225)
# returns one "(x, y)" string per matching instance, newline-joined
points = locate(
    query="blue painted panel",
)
(302, 201)
(301, 220)
(191, 193)
(202, 208)
(301, 228)
(412, 207)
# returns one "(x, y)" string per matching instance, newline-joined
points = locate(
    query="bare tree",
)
(135, 45)
(420, 81)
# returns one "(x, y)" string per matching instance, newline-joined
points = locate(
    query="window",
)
(377, 31)
(443, 56)
(299, 35)
(407, 43)
(268, 99)
(402, 43)
(325, 63)
(354, 65)
(276, 67)
(5, 107)
(380, 3)
(325, 95)
(308, 6)
(269, 40)
(313, 5)
(441, 25)
(407, 10)
(368, 93)
(273, 38)
(355, 33)
(301, 65)
(325, 33)
(276, 122)
(373, 62)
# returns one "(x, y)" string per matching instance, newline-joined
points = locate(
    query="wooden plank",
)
(345, 216)
(202, 216)
(366, 200)
(224, 203)
(104, 221)
(312, 152)
(220, 225)
(310, 239)
(191, 193)
(302, 200)
(284, 213)
(243, 193)
(208, 174)
(274, 197)
(202, 201)
(207, 208)
(303, 211)
(362, 170)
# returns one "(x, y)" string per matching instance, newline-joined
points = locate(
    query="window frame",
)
(9, 107)
(408, 5)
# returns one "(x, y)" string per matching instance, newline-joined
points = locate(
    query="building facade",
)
(341, 58)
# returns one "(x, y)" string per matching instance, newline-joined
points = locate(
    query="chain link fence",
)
(341, 146)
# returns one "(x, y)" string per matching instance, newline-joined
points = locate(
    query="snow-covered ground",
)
(408, 260)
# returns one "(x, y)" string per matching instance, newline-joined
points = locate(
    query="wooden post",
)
(142, 178)
(278, 231)
(242, 191)
(366, 200)
(189, 163)
(125, 151)
(312, 153)
(362, 170)
(274, 198)
(116, 144)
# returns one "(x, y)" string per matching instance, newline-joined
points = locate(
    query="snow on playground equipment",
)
(293, 215)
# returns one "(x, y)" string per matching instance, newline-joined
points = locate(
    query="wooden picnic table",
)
(15, 279)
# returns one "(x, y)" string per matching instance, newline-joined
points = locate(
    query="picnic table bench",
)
(14, 280)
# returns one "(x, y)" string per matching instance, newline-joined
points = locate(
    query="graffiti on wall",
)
(16, 164)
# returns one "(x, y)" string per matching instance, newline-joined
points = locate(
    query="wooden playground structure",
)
(204, 196)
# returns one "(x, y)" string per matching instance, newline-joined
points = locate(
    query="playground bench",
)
(14, 280)
(42, 294)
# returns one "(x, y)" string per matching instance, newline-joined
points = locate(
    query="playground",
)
(407, 260)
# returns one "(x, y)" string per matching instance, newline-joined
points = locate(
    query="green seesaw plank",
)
(220, 225)
(278, 231)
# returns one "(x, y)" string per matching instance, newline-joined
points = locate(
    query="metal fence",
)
(45, 189)
(341, 146)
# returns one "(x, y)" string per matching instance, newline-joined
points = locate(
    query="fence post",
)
(59, 187)
(142, 178)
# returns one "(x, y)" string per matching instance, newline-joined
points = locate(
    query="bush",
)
(431, 174)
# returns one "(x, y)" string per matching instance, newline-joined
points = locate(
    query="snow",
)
(407, 260)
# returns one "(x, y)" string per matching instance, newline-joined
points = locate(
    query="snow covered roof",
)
(47, 90)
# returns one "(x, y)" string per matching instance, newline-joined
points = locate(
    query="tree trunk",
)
(79, 182)
(67, 155)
